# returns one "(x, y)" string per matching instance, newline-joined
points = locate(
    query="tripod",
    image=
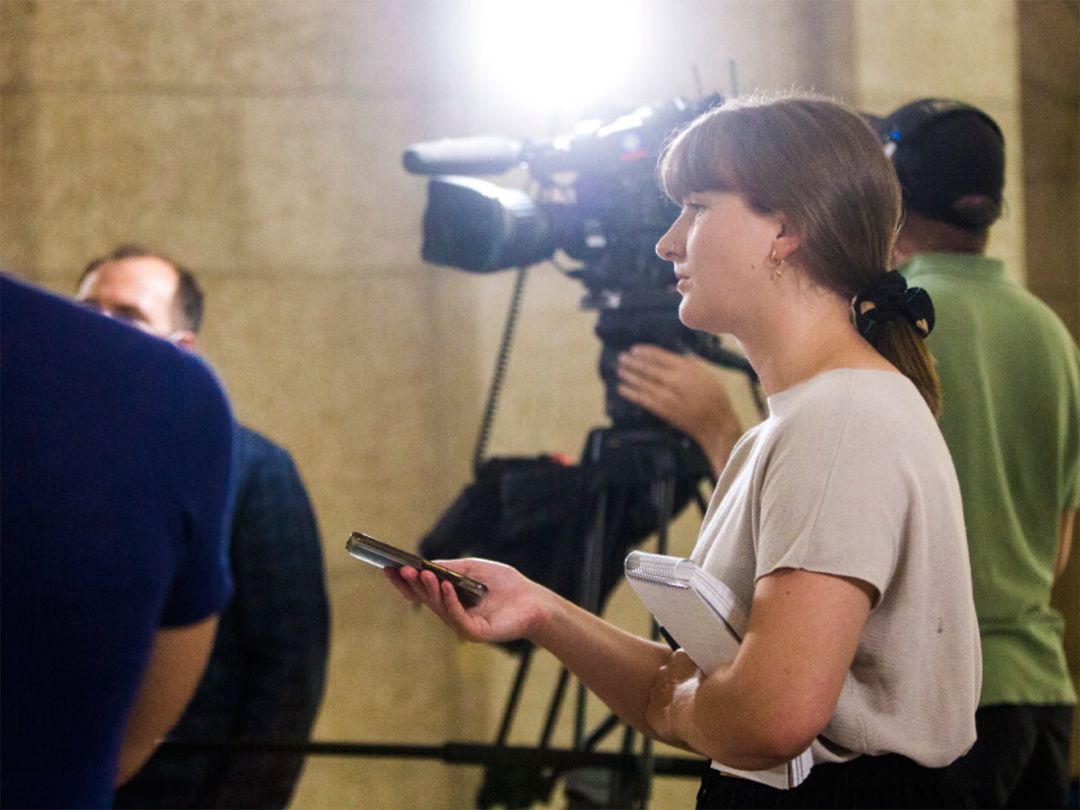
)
(622, 463)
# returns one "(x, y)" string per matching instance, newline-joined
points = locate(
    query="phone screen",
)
(383, 555)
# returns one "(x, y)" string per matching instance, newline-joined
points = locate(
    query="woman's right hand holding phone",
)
(514, 606)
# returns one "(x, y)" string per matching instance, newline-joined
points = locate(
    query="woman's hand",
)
(513, 607)
(617, 666)
(671, 698)
(683, 391)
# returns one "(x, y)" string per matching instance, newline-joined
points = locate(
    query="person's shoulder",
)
(811, 414)
(842, 398)
(257, 445)
(839, 386)
(263, 460)
(1050, 322)
(34, 316)
(881, 396)
(1018, 308)
(40, 326)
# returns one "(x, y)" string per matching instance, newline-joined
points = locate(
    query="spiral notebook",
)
(707, 620)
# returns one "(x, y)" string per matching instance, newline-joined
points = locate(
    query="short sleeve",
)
(204, 442)
(828, 502)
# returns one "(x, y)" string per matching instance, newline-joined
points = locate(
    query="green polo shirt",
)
(1010, 380)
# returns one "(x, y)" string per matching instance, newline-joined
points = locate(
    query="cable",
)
(500, 371)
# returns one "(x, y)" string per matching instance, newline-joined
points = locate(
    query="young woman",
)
(837, 519)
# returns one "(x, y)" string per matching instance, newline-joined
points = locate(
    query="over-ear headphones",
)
(950, 159)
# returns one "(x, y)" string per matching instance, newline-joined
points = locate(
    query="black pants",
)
(889, 781)
(1020, 759)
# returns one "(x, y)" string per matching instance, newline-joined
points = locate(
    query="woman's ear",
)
(786, 242)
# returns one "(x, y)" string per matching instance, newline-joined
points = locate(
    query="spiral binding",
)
(653, 568)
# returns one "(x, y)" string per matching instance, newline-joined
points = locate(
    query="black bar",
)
(453, 753)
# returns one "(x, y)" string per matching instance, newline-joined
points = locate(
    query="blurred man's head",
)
(950, 160)
(147, 290)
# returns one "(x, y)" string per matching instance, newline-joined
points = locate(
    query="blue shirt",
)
(114, 492)
(265, 677)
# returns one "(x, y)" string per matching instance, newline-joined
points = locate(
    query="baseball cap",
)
(950, 159)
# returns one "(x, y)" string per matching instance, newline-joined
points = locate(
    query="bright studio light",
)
(558, 53)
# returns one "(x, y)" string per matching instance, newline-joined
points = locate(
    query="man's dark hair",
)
(189, 296)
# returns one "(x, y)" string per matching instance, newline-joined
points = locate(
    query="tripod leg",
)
(663, 495)
(592, 575)
(515, 696)
(524, 785)
(554, 707)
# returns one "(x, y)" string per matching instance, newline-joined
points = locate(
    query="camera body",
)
(596, 199)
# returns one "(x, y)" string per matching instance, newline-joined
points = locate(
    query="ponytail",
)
(895, 319)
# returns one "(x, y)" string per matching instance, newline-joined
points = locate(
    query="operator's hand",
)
(513, 606)
(683, 391)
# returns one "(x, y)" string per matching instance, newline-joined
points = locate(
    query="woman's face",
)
(720, 248)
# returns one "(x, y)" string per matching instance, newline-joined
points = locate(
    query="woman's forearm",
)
(618, 667)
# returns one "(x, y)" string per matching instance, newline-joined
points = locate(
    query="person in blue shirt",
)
(115, 488)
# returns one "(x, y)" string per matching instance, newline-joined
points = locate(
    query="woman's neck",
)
(809, 340)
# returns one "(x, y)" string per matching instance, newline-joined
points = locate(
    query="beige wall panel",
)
(16, 31)
(372, 635)
(172, 44)
(131, 167)
(18, 135)
(770, 45)
(1050, 60)
(1052, 24)
(936, 47)
(384, 44)
(340, 370)
(1050, 36)
(385, 782)
(1056, 207)
(324, 187)
(343, 377)
(1054, 161)
(963, 49)
(18, 213)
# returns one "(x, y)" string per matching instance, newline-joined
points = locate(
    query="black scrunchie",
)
(889, 297)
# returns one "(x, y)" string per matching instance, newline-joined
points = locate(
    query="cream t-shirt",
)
(849, 475)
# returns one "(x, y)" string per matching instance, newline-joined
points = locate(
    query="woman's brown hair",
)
(819, 164)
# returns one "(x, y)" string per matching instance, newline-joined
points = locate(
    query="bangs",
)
(697, 159)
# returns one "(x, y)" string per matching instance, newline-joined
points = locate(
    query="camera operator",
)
(1010, 380)
(839, 518)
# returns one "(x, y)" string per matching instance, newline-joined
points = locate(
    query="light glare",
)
(558, 53)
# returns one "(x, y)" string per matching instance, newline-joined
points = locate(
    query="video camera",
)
(597, 200)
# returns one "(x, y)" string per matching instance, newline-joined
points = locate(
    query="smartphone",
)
(373, 551)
